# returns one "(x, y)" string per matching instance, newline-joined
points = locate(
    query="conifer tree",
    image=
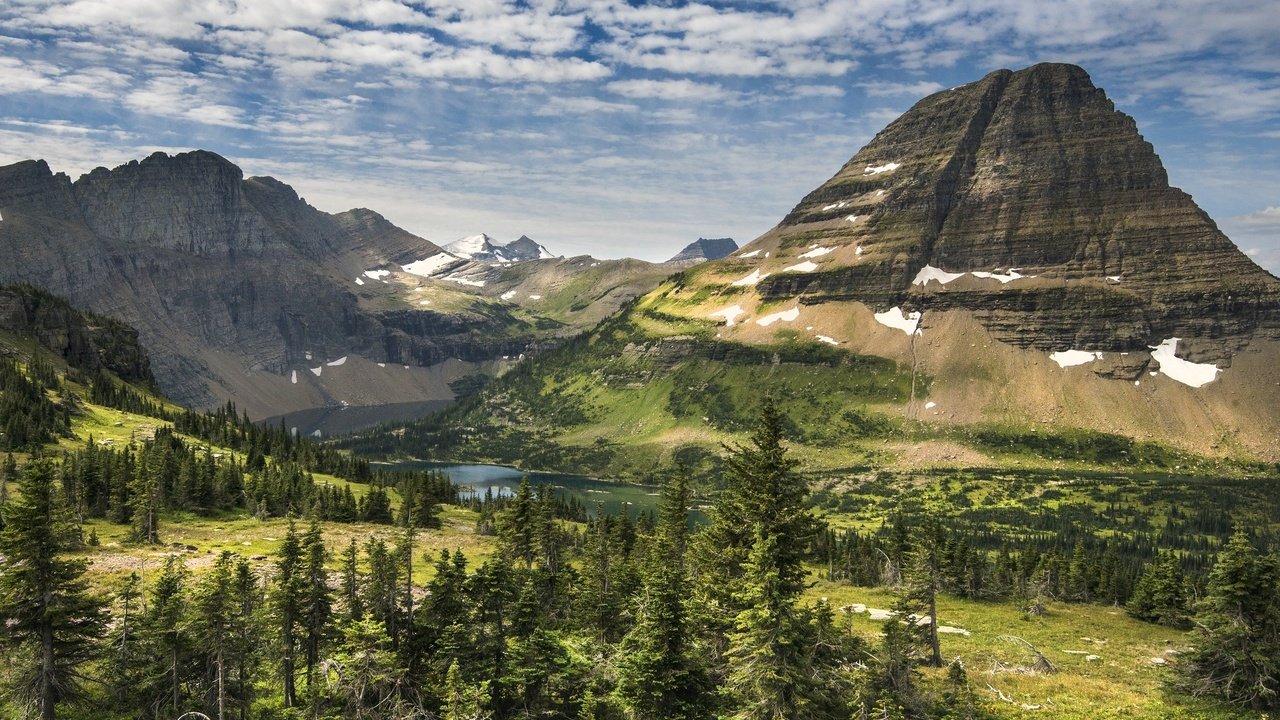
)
(248, 623)
(126, 660)
(52, 622)
(144, 502)
(214, 620)
(288, 601)
(1238, 655)
(167, 626)
(1161, 594)
(769, 672)
(350, 583)
(922, 580)
(316, 605)
(659, 676)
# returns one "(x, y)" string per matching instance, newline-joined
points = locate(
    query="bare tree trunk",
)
(47, 671)
(222, 692)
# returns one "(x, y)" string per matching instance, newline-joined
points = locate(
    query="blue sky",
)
(609, 127)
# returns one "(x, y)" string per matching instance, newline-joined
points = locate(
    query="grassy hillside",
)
(649, 390)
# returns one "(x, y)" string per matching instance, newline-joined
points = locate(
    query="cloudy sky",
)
(612, 127)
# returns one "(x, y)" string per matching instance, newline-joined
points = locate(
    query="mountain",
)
(524, 248)
(702, 250)
(1003, 275)
(238, 288)
(482, 248)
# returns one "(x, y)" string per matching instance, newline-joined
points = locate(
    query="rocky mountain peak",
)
(1050, 205)
(703, 250)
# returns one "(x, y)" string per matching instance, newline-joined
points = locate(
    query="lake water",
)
(615, 497)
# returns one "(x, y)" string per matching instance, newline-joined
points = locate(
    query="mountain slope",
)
(1005, 259)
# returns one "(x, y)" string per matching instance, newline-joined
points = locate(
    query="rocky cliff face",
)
(86, 341)
(230, 281)
(1032, 173)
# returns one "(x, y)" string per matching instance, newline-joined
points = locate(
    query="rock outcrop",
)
(84, 340)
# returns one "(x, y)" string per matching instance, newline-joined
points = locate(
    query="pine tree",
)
(1161, 594)
(350, 586)
(214, 619)
(922, 580)
(144, 502)
(126, 661)
(316, 607)
(288, 601)
(769, 672)
(1238, 655)
(53, 623)
(167, 626)
(248, 624)
(659, 676)
(763, 496)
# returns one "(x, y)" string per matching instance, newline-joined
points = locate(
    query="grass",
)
(1122, 683)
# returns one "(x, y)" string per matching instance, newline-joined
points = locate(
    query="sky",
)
(610, 127)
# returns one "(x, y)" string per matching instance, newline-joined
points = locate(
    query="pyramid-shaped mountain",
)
(1028, 199)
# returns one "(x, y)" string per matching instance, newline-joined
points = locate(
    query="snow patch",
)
(929, 272)
(293, 377)
(858, 251)
(429, 265)
(930, 405)
(317, 370)
(340, 361)
(535, 297)
(751, 279)
(465, 281)
(852, 218)
(806, 267)
(424, 302)
(877, 169)
(382, 365)
(836, 205)
(1114, 278)
(1010, 276)
(730, 314)
(359, 281)
(1071, 358)
(894, 318)
(1184, 371)
(785, 316)
(816, 252)
(753, 253)
(376, 274)
(827, 340)
(307, 354)
(508, 295)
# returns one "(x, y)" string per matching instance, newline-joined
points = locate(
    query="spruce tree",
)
(350, 582)
(316, 608)
(1161, 594)
(1238, 655)
(659, 674)
(52, 622)
(288, 600)
(769, 672)
(214, 619)
(922, 579)
(167, 626)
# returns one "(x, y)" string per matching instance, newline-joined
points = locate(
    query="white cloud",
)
(669, 89)
(893, 89)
